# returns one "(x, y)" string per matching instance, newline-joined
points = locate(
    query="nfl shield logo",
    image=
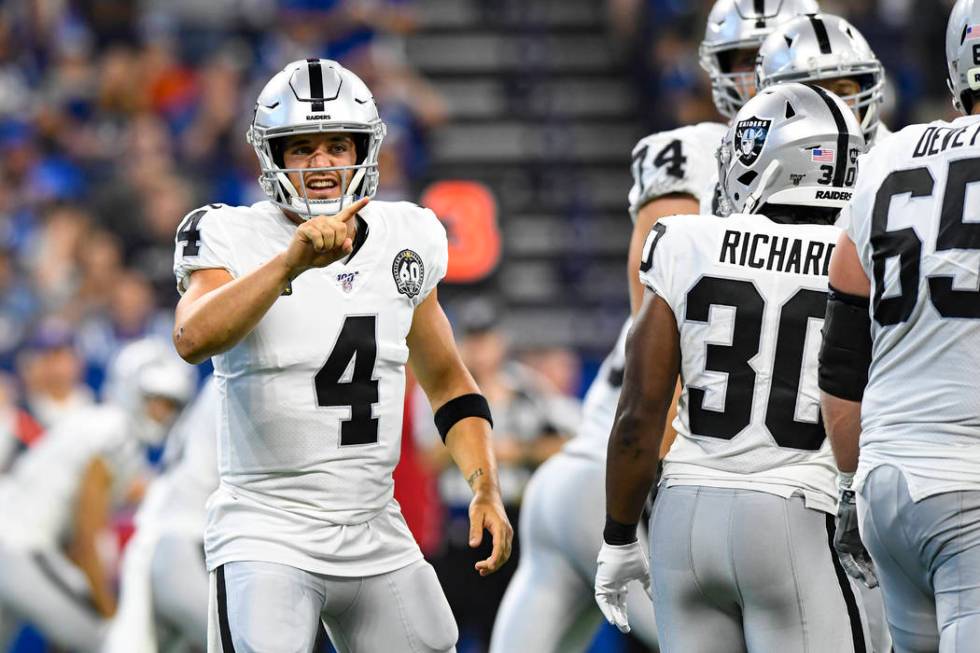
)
(750, 138)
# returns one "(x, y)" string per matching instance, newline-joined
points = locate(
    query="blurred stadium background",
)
(512, 119)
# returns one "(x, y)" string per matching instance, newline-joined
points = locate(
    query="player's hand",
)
(487, 513)
(618, 566)
(847, 540)
(320, 241)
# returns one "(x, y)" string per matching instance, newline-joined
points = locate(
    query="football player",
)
(898, 368)
(64, 489)
(830, 52)
(741, 527)
(310, 305)
(164, 583)
(548, 606)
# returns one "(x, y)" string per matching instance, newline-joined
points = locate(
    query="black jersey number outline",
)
(749, 306)
(358, 341)
(955, 232)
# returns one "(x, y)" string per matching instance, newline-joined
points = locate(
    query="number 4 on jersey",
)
(358, 342)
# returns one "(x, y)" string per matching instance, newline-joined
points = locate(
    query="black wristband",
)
(461, 407)
(618, 534)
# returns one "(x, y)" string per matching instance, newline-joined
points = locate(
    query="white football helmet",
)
(143, 369)
(741, 25)
(963, 54)
(790, 145)
(818, 47)
(316, 95)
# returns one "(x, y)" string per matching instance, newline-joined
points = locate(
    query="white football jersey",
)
(681, 160)
(38, 499)
(310, 408)
(599, 406)
(914, 220)
(749, 296)
(175, 500)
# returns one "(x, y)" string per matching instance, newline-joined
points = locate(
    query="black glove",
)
(847, 540)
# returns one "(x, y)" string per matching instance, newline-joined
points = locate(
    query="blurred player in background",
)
(741, 527)
(548, 604)
(164, 586)
(59, 497)
(827, 51)
(899, 365)
(310, 304)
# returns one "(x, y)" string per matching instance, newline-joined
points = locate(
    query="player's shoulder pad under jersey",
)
(195, 223)
(670, 240)
(681, 160)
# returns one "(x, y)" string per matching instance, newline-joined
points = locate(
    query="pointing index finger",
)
(352, 210)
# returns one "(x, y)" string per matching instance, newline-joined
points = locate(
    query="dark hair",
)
(796, 214)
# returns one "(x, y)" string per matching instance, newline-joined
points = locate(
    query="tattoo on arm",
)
(471, 479)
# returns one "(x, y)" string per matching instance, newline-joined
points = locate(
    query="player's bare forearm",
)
(217, 312)
(646, 217)
(652, 367)
(433, 356)
(842, 420)
(91, 517)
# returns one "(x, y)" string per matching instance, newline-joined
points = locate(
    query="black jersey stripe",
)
(823, 38)
(316, 84)
(853, 612)
(840, 156)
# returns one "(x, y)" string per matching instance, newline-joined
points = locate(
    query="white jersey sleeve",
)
(913, 219)
(202, 243)
(749, 296)
(677, 161)
(439, 247)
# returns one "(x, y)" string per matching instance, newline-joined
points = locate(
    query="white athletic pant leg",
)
(549, 605)
(263, 607)
(928, 560)
(751, 569)
(403, 610)
(180, 586)
(47, 590)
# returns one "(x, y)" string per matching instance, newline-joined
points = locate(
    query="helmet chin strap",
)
(752, 201)
(304, 207)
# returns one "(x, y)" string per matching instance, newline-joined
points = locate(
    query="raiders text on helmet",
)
(741, 25)
(820, 46)
(792, 144)
(963, 53)
(316, 96)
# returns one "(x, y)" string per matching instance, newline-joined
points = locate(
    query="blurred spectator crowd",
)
(117, 118)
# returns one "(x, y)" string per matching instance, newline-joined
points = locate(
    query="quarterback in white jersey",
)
(58, 497)
(899, 366)
(164, 584)
(310, 305)
(733, 306)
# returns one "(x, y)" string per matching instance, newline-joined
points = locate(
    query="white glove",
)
(853, 556)
(617, 567)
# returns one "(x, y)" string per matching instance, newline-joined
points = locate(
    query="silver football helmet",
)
(741, 25)
(792, 144)
(963, 53)
(310, 96)
(143, 369)
(820, 46)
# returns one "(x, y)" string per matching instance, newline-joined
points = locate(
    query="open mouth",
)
(322, 184)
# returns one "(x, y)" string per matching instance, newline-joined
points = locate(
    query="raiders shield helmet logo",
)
(750, 137)
(409, 272)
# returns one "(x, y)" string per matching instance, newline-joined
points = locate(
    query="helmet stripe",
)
(760, 8)
(823, 38)
(840, 156)
(316, 84)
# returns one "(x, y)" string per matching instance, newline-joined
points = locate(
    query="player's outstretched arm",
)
(217, 311)
(464, 424)
(652, 367)
(845, 353)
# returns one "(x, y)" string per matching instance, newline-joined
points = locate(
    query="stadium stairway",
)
(543, 112)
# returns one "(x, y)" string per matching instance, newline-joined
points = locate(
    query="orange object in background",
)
(469, 212)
